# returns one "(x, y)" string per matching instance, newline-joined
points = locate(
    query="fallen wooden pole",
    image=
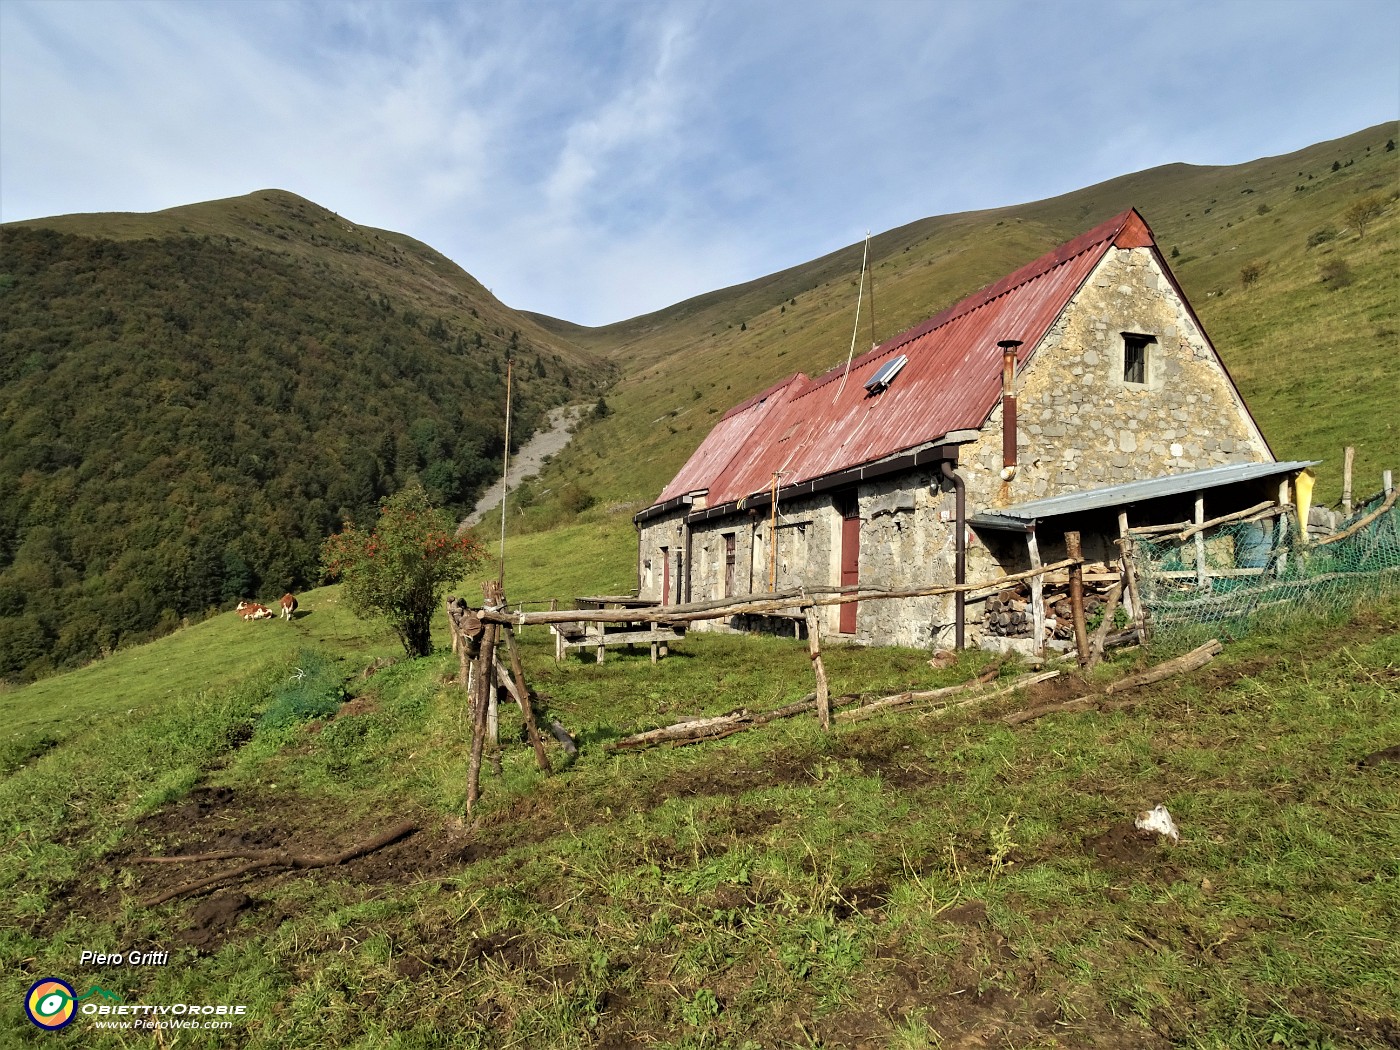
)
(273, 859)
(885, 704)
(1196, 658)
(874, 707)
(695, 729)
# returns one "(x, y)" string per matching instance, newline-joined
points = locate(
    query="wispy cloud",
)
(596, 160)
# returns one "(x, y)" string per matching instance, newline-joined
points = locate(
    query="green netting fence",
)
(1233, 576)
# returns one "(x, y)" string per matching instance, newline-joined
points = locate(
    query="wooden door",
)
(728, 564)
(665, 575)
(850, 565)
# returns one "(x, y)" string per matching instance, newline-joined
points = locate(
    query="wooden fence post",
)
(1037, 593)
(814, 650)
(1076, 595)
(485, 686)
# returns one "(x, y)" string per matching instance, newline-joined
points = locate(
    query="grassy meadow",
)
(923, 879)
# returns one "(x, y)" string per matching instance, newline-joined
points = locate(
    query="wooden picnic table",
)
(624, 630)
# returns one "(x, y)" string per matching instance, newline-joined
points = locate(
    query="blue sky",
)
(601, 158)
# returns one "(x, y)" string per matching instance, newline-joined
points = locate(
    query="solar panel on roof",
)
(885, 375)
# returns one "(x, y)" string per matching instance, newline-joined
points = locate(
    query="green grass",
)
(908, 880)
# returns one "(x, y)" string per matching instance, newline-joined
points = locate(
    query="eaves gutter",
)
(827, 482)
(660, 510)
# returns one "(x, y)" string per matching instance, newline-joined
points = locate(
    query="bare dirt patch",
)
(223, 820)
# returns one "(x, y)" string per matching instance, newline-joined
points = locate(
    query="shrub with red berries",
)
(401, 569)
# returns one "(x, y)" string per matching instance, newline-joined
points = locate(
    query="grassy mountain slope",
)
(924, 878)
(193, 399)
(1315, 359)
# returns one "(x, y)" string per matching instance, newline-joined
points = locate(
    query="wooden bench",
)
(599, 636)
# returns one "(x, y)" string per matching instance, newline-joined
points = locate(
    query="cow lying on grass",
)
(253, 611)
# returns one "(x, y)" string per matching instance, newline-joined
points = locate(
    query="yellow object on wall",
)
(1302, 499)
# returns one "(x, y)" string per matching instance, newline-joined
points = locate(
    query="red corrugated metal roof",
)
(810, 428)
(730, 435)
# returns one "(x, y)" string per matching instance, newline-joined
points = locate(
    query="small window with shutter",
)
(1137, 358)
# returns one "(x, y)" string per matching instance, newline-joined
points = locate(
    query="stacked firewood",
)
(1008, 612)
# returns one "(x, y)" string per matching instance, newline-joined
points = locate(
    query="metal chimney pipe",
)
(1008, 407)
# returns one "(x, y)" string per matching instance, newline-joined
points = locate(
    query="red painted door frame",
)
(850, 563)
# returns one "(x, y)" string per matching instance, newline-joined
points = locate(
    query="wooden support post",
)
(459, 646)
(814, 649)
(1202, 576)
(522, 697)
(1132, 596)
(1348, 458)
(1387, 482)
(485, 686)
(1074, 550)
(1096, 647)
(1037, 594)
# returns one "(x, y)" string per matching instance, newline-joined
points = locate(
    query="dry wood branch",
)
(276, 859)
(1198, 657)
(1185, 530)
(695, 729)
(874, 707)
(1096, 647)
(879, 707)
(1357, 526)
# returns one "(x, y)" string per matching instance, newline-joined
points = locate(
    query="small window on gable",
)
(1135, 357)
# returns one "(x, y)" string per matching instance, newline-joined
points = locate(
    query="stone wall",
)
(905, 544)
(1081, 425)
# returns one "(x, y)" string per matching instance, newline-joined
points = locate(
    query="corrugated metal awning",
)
(1022, 516)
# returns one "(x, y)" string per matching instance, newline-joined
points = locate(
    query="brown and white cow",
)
(289, 606)
(254, 611)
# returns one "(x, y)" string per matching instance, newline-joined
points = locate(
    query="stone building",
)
(940, 455)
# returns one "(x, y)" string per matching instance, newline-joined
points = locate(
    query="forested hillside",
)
(193, 400)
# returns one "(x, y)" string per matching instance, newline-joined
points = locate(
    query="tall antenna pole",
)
(873, 343)
(860, 293)
(505, 475)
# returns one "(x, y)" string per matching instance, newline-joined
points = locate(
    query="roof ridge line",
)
(1104, 233)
